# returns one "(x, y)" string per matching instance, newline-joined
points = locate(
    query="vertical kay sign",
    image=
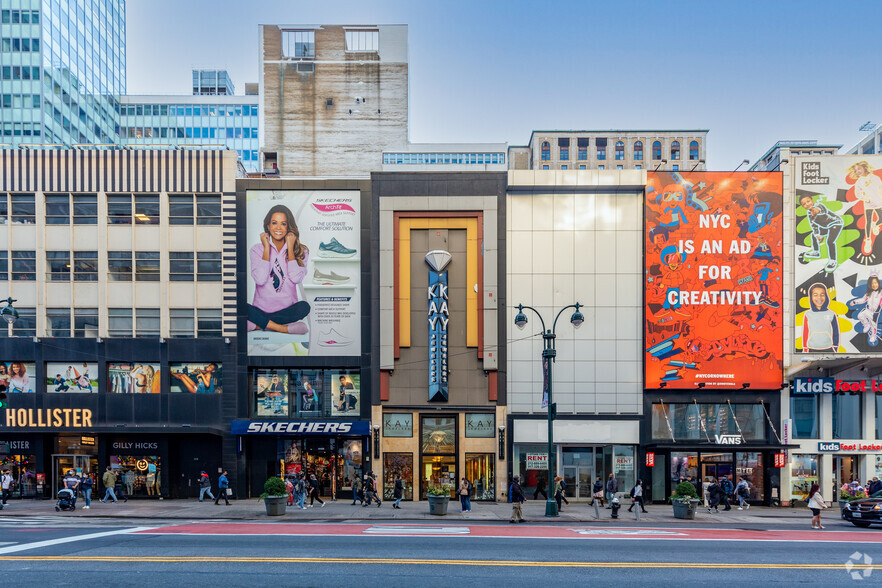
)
(439, 317)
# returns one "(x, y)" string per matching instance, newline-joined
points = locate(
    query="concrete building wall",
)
(334, 114)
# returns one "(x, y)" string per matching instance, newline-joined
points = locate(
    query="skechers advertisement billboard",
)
(304, 272)
(713, 280)
(838, 204)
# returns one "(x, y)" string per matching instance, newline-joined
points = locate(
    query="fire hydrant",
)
(615, 505)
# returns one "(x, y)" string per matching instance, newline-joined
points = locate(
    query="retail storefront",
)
(584, 450)
(18, 454)
(332, 450)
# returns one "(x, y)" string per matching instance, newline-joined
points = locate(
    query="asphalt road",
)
(61, 553)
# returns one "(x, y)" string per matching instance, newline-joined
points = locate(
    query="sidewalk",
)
(534, 511)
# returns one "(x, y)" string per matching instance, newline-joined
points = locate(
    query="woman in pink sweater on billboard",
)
(278, 265)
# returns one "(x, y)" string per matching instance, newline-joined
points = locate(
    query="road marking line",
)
(503, 563)
(62, 540)
(392, 530)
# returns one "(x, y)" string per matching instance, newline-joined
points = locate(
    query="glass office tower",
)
(62, 68)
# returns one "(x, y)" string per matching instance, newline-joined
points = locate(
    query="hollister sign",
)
(39, 418)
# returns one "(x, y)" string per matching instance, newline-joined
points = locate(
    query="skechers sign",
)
(300, 427)
(831, 385)
(439, 316)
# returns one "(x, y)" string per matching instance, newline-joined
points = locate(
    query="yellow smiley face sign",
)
(141, 465)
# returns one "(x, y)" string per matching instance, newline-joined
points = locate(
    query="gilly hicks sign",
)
(35, 418)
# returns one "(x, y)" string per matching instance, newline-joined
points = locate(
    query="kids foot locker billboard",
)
(838, 202)
(304, 272)
(713, 280)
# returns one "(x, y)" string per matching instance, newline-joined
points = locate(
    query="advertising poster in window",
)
(18, 377)
(271, 393)
(838, 203)
(196, 378)
(72, 377)
(133, 378)
(304, 272)
(713, 280)
(309, 385)
(345, 394)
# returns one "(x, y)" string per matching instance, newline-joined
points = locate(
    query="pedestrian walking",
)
(370, 490)
(223, 489)
(517, 498)
(289, 490)
(109, 481)
(612, 486)
(356, 491)
(742, 491)
(464, 495)
(637, 496)
(6, 484)
(558, 492)
(397, 491)
(86, 487)
(727, 488)
(540, 489)
(598, 490)
(204, 486)
(300, 490)
(72, 483)
(704, 487)
(314, 491)
(816, 503)
(713, 495)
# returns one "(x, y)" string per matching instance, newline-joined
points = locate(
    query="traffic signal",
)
(2, 396)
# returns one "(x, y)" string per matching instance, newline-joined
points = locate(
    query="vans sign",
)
(729, 439)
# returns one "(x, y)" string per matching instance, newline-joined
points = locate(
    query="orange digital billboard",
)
(713, 280)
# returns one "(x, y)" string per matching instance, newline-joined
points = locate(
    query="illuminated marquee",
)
(439, 317)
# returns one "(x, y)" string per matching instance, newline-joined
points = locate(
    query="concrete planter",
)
(685, 510)
(275, 505)
(438, 505)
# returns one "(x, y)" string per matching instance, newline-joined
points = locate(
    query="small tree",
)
(684, 492)
(274, 487)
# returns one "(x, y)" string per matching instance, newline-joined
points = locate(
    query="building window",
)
(146, 266)
(365, 41)
(147, 322)
(583, 167)
(119, 322)
(564, 167)
(803, 473)
(656, 151)
(638, 167)
(209, 323)
(546, 151)
(601, 149)
(26, 323)
(298, 43)
(675, 167)
(582, 144)
(85, 266)
(563, 147)
(620, 167)
(601, 167)
(804, 412)
(85, 209)
(85, 322)
(693, 151)
(544, 167)
(58, 322)
(847, 415)
(208, 210)
(24, 211)
(638, 150)
(57, 209)
(675, 151)
(208, 266)
(180, 266)
(181, 322)
(58, 266)
(147, 209)
(119, 209)
(180, 209)
(24, 265)
(119, 266)
(620, 150)
(691, 421)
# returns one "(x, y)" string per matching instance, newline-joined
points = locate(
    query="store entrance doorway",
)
(844, 471)
(82, 465)
(717, 471)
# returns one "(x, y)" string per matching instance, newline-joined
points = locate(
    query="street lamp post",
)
(548, 354)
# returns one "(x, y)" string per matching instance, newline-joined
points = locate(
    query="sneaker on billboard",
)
(333, 249)
(328, 278)
(333, 339)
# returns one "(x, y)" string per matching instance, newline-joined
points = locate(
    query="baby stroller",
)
(65, 500)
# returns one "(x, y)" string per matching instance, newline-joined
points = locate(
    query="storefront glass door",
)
(844, 471)
(578, 471)
(82, 465)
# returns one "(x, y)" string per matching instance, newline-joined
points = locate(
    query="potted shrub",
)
(846, 496)
(275, 497)
(685, 501)
(439, 498)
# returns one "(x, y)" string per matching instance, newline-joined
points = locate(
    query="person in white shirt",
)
(6, 485)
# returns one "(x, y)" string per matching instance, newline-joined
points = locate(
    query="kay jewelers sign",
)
(537, 461)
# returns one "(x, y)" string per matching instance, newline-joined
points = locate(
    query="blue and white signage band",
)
(300, 427)
(439, 316)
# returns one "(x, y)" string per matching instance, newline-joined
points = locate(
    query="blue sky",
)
(751, 72)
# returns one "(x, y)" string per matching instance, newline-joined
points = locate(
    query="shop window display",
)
(438, 444)
(24, 471)
(133, 378)
(750, 465)
(334, 462)
(345, 393)
(140, 475)
(271, 393)
(481, 472)
(397, 463)
(803, 473)
(683, 466)
(530, 478)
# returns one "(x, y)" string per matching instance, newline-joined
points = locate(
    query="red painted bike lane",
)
(526, 531)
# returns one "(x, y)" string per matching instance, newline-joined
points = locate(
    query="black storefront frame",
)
(454, 455)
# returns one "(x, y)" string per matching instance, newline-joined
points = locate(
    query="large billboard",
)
(838, 203)
(713, 280)
(304, 272)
